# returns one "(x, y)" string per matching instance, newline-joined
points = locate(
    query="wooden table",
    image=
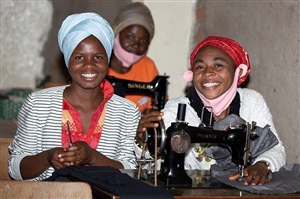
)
(186, 193)
(201, 193)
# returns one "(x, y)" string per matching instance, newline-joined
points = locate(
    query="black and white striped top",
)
(39, 129)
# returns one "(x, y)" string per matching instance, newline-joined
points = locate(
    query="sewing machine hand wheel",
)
(149, 138)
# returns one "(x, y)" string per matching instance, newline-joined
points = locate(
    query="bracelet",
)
(268, 165)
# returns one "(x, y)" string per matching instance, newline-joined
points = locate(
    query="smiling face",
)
(135, 39)
(88, 63)
(213, 72)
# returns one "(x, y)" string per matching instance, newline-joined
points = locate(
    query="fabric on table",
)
(112, 180)
(285, 181)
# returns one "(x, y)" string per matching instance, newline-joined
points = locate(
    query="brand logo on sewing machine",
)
(139, 86)
(207, 136)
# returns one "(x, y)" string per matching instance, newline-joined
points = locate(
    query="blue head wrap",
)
(77, 27)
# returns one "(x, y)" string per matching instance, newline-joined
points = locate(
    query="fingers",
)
(256, 180)
(53, 158)
(73, 155)
(67, 158)
(253, 176)
(149, 120)
(83, 153)
(258, 174)
(234, 177)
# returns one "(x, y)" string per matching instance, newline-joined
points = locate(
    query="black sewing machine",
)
(178, 138)
(156, 89)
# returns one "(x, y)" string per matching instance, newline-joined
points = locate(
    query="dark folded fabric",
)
(265, 140)
(285, 181)
(112, 180)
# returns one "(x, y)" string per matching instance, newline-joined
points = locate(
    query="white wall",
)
(170, 46)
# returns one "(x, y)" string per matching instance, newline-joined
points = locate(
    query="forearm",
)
(100, 160)
(275, 156)
(33, 166)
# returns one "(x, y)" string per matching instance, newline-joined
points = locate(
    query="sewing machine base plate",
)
(200, 179)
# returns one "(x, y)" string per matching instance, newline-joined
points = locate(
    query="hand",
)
(257, 174)
(68, 156)
(148, 120)
(79, 154)
(55, 159)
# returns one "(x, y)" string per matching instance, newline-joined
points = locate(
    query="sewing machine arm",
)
(156, 89)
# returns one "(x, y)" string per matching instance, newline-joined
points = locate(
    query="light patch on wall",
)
(24, 30)
(170, 47)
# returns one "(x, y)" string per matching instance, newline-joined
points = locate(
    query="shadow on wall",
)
(54, 67)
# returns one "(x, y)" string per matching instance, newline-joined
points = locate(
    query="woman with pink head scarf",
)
(218, 66)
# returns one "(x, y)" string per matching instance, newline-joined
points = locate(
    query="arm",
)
(33, 166)
(39, 130)
(26, 134)
(254, 108)
(168, 115)
(128, 122)
(82, 154)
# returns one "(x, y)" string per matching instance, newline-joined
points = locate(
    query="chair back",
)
(4, 155)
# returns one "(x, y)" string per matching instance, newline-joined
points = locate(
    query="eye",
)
(78, 57)
(218, 65)
(129, 37)
(144, 41)
(198, 67)
(98, 57)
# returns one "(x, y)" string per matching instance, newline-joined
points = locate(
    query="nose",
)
(209, 71)
(89, 62)
(136, 47)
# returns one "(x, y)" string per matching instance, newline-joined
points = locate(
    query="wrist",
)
(268, 166)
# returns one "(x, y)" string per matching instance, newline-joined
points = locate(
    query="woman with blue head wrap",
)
(77, 27)
(83, 123)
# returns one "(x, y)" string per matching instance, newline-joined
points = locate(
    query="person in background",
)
(83, 123)
(219, 66)
(134, 30)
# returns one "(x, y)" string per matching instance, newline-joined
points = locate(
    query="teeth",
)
(88, 75)
(210, 84)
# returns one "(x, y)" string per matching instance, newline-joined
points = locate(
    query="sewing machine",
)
(178, 138)
(156, 89)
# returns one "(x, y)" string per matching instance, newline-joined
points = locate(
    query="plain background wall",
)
(170, 47)
(269, 30)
